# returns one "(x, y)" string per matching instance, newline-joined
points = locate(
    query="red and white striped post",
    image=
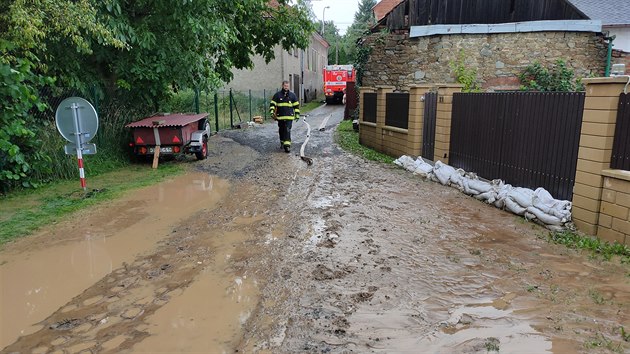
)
(81, 171)
(79, 143)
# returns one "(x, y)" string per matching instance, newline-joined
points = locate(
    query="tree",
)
(336, 53)
(363, 21)
(138, 50)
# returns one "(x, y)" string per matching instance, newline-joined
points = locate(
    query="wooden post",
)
(156, 134)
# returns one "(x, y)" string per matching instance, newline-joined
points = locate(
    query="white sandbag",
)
(457, 179)
(479, 186)
(466, 184)
(544, 217)
(421, 167)
(489, 197)
(514, 207)
(529, 216)
(522, 196)
(545, 202)
(443, 172)
(405, 162)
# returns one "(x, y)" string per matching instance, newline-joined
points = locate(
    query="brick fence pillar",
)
(443, 120)
(381, 105)
(595, 149)
(416, 118)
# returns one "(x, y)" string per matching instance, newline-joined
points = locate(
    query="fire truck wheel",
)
(203, 154)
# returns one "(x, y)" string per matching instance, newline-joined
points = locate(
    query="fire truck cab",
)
(335, 79)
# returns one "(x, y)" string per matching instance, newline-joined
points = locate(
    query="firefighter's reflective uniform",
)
(285, 107)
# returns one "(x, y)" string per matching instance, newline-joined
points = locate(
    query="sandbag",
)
(522, 196)
(443, 172)
(405, 162)
(421, 167)
(489, 197)
(514, 207)
(479, 186)
(546, 203)
(544, 217)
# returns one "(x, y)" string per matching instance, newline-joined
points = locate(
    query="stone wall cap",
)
(619, 174)
(421, 86)
(607, 80)
(449, 85)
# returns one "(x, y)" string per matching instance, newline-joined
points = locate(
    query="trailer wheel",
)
(203, 154)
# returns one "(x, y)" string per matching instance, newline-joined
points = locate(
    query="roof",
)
(384, 7)
(610, 12)
(169, 120)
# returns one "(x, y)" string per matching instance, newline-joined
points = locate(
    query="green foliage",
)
(595, 245)
(363, 21)
(558, 78)
(135, 53)
(360, 62)
(464, 75)
(348, 139)
(19, 147)
(337, 51)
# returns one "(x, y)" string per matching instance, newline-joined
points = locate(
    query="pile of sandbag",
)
(536, 205)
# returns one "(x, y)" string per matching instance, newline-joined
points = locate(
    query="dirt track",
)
(276, 256)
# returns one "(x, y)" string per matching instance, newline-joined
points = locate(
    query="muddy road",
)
(253, 251)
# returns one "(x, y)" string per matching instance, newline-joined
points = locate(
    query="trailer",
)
(172, 134)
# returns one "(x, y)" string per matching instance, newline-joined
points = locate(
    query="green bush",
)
(20, 153)
(464, 75)
(558, 78)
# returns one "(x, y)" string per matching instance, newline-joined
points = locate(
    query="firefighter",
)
(285, 108)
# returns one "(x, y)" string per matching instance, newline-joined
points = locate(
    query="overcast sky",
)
(341, 12)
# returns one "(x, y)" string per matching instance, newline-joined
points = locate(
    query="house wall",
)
(401, 61)
(306, 64)
(622, 37)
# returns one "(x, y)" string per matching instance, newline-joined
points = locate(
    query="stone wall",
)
(401, 61)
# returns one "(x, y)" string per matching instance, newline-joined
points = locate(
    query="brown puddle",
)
(40, 274)
(210, 312)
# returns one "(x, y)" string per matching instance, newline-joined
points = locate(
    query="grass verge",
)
(23, 212)
(598, 247)
(348, 139)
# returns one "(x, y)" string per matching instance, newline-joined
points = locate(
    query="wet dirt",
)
(269, 255)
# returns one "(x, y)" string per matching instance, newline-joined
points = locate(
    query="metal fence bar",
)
(428, 130)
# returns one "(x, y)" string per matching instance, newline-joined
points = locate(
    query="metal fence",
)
(621, 144)
(397, 109)
(369, 107)
(527, 139)
(428, 129)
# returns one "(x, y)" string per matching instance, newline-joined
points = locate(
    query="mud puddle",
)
(42, 273)
(208, 314)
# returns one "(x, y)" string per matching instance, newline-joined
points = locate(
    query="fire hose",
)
(308, 160)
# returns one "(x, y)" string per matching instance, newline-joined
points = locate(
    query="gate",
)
(621, 145)
(428, 130)
(526, 139)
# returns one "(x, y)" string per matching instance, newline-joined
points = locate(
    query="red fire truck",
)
(335, 78)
